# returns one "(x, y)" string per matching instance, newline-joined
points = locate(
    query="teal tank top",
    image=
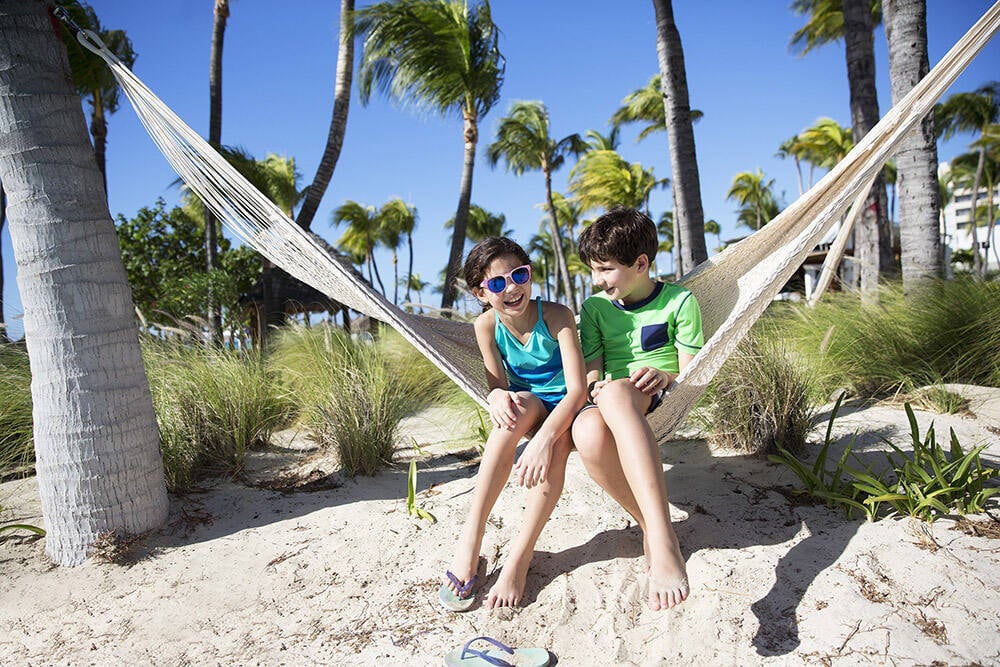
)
(535, 366)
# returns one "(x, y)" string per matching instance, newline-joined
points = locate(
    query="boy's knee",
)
(619, 394)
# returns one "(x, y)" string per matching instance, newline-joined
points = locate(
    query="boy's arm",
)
(504, 406)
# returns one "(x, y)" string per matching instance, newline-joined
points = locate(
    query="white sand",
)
(244, 575)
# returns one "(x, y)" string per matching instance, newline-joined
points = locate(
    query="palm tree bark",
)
(450, 291)
(872, 245)
(688, 211)
(557, 247)
(96, 442)
(338, 123)
(99, 132)
(977, 262)
(3, 221)
(917, 160)
(221, 15)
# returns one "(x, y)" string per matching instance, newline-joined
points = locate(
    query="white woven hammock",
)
(733, 287)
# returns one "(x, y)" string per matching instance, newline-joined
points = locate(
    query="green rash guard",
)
(647, 333)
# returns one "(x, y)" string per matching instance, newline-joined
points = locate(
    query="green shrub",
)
(762, 399)
(16, 441)
(946, 332)
(212, 406)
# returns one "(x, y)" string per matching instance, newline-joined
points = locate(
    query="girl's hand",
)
(533, 466)
(649, 380)
(595, 389)
(505, 407)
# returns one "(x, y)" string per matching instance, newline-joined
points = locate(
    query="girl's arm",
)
(532, 467)
(504, 406)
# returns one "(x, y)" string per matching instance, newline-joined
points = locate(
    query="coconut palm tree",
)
(539, 248)
(917, 159)
(220, 14)
(338, 122)
(603, 178)
(602, 142)
(666, 229)
(757, 203)
(441, 55)
(645, 105)
(395, 219)
(524, 142)
(97, 447)
(482, 224)
(712, 227)
(971, 112)
(91, 75)
(794, 148)
(963, 173)
(361, 236)
(688, 212)
(854, 21)
(825, 143)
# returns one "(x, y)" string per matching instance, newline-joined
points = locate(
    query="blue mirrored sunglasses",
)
(518, 276)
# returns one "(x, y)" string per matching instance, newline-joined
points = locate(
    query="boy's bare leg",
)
(542, 499)
(622, 407)
(596, 445)
(494, 470)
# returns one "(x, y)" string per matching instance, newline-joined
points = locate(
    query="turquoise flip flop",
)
(501, 656)
(465, 597)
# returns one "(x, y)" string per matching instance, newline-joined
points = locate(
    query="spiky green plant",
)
(212, 407)
(762, 399)
(412, 508)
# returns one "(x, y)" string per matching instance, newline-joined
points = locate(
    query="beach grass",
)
(16, 442)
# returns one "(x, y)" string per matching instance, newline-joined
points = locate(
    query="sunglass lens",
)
(521, 275)
(496, 284)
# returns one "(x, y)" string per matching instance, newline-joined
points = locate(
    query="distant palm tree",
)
(666, 229)
(92, 77)
(415, 284)
(524, 142)
(220, 15)
(482, 224)
(602, 142)
(753, 194)
(395, 219)
(540, 250)
(854, 21)
(794, 148)
(688, 211)
(441, 55)
(645, 105)
(971, 112)
(964, 170)
(603, 178)
(825, 143)
(712, 227)
(338, 122)
(361, 236)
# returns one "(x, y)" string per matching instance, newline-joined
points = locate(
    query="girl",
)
(535, 373)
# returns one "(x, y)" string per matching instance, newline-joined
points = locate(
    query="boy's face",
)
(617, 280)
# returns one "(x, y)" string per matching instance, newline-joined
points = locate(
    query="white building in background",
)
(957, 224)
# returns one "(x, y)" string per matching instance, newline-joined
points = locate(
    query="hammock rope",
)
(733, 288)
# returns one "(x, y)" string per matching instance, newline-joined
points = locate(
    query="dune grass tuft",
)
(17, 451)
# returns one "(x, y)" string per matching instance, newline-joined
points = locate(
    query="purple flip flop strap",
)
(466, 652)
(462, 590)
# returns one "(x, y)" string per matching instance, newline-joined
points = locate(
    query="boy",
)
(637, 335)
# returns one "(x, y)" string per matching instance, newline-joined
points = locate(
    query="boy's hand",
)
(505, 407)
(533, 466)
(649, 380)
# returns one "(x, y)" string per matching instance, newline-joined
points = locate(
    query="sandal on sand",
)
(501, 656)
(466, 593)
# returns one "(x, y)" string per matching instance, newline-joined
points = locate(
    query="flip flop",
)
(501, 656)
(465, 597)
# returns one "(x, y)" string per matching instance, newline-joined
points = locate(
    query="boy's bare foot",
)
(668, 583)
(509, 588)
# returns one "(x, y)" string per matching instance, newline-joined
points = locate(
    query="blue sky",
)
(580, 57)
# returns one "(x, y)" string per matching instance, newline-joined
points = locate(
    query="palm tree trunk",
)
(557, 246)
(409, 270)
(450, 291)
(3, 221)
(872, 246)
(338, 123)
(221, 15)
(96, 443)
(916, 161)
(374, 267)
(99, 132)
(688, 212)
(395, 278)
(977, 262)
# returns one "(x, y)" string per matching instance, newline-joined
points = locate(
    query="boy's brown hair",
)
(620, 235)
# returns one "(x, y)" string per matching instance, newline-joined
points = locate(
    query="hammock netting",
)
(733, 288)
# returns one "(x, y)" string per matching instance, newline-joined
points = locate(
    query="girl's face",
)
(506, 272)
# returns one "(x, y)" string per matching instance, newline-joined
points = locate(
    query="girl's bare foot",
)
(509, 588)
(464, 566)
(668, 583)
